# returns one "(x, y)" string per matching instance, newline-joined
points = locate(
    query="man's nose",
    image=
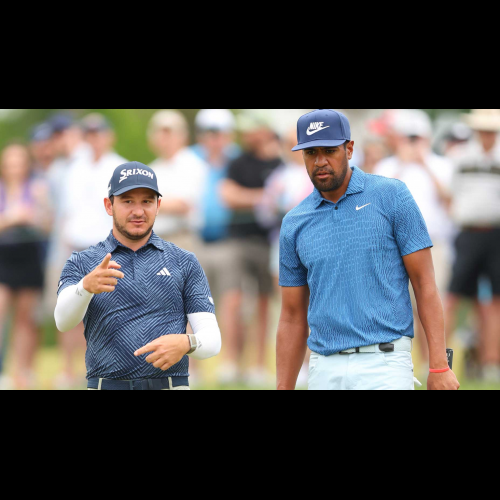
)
(138, 210)
(321, 160)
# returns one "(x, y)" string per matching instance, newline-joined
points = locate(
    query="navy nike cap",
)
(322, 128)
(133, 175)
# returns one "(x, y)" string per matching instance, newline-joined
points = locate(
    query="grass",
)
(49, 365)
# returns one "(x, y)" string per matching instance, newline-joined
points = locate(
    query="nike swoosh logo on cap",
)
(311, 132)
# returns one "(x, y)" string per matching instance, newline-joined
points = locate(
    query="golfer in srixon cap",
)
(135, 294)
(347, 253)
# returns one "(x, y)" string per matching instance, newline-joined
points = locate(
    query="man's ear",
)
(108, 206)
(350, 150)
(159, 205)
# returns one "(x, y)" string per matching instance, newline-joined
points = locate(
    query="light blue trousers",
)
(362, 372)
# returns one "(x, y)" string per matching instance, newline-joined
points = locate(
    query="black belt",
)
(138, 385)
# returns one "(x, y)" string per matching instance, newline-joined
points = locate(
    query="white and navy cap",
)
(133, 175)
(322, 128)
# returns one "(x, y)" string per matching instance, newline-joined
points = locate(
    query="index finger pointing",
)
(144, 350)
(105, 262)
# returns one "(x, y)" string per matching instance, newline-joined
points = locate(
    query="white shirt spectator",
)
(182, 177)
(59, 170)
(423, 189)
(85, 221)
(476, 185)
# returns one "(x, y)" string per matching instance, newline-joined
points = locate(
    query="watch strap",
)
(193, 341)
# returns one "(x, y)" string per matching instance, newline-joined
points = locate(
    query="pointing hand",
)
(104, 278)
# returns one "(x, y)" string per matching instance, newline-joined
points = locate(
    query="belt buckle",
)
(140, 385)
(387, 347)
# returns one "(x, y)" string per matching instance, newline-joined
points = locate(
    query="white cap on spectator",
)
(411, 122)
(215, 119)
(485, 120)
(254, 119)
(168, 119)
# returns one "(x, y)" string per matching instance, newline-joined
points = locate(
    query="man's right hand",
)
(104, 278)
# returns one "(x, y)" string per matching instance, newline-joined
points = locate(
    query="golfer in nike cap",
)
(347, 254)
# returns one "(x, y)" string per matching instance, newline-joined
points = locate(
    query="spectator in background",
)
(428, 177)
(242, 191)
(373, 153)
(286, 188)
(42, 149)
(69, 149)
(84, 221)
(476, 209)
(24, 223)
(459, 134)
(181, 178)
(215, 146)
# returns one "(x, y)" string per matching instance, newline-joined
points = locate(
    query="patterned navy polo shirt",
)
(350, 254)
(162, 285)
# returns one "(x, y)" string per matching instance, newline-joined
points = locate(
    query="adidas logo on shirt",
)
(164, 272)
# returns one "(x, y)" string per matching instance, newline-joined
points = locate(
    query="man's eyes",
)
(312, 152)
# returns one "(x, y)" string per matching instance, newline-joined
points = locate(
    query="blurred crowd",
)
(225, 197)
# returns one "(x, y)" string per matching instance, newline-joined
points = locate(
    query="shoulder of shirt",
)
(188, 156)
(464, 152)
(113, 156)
(439, 160)
(304, 207)
(179, 253)
(389, 162)
(241, 160)
(381, 181)
(90, 252)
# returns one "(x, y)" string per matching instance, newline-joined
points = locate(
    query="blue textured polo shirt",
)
(162, 285)
(350, 256)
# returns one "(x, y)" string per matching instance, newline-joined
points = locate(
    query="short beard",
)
(133, 237)
(335, 183)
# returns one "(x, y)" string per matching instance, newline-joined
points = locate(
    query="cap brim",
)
(131, 188)
(319, 144)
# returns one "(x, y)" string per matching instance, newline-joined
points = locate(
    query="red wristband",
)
(440, 371)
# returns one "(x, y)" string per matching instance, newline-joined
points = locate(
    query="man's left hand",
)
(443, 382)
(166, 351)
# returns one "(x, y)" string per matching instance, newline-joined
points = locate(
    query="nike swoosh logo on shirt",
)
(360, 208)
(311, 132)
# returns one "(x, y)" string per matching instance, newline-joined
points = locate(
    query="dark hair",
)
(345, 144)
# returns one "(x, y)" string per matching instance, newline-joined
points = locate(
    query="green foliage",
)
(130, 126)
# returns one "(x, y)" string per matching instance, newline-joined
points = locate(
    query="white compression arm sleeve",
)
(72, 305)
(207, 333)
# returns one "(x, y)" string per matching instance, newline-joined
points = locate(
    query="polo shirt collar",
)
(356, 185)
(357, 182)
(112, 243)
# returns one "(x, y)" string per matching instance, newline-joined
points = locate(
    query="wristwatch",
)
(193, 341)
